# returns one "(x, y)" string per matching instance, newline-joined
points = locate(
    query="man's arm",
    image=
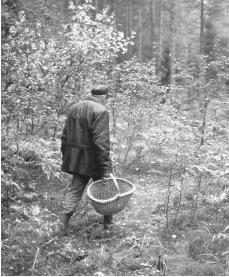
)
(64, 136)
(101, 141)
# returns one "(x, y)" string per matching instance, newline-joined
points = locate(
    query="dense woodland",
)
(166, 63)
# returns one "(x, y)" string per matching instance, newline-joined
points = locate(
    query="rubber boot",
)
(66, 218)
(107, 221)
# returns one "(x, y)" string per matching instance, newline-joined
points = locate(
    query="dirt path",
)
(133, 245)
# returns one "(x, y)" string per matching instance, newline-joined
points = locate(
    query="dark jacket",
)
(85, 141)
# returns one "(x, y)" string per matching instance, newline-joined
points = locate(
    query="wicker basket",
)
(110, 196)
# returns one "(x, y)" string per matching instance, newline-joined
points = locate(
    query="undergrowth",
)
(139, 244)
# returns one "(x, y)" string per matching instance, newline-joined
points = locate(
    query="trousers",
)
(75, 192)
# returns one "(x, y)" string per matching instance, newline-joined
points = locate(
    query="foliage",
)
(41, 78)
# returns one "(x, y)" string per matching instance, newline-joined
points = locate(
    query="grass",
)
(190, 246)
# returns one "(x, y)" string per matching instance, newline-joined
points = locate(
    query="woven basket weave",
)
(110, 196)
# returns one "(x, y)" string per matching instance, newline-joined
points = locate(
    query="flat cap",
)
(100, 90)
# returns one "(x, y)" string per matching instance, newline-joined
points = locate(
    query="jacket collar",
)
(92, 98)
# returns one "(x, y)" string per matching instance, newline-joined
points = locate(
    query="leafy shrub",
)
(42, 78)
(199, 244)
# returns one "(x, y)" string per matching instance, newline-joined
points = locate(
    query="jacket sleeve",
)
(101, 141)
(64, 137)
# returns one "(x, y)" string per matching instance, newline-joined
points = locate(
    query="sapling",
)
(168, 197)
(180, 195)
(196, 197)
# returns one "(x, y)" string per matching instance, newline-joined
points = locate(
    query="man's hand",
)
(105, 176)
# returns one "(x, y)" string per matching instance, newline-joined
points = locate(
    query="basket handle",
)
(115, 182)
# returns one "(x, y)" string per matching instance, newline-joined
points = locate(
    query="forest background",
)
(167, 64)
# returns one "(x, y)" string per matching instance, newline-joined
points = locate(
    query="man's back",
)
(80, 120)
(85, 139)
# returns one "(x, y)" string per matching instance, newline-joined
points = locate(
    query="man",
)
(85, 146)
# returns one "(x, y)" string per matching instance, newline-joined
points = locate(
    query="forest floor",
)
(131, 247)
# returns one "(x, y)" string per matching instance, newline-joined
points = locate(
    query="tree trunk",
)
(151, 27)
(201, 26)
(186, 51)
(116, 12)
(140, 32)
(171, 42)
(65, 6)
(130, 25)
(126, 18)
(159, 47)
(96, 6)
